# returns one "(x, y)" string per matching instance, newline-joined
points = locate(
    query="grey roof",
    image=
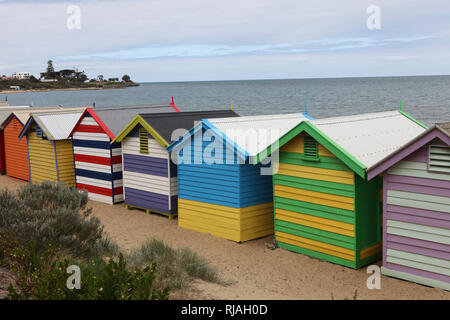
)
(6, 111)
(166, 123)
(23, 113)
(116, 118)
(444, 127)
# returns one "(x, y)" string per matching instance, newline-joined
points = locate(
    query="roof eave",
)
(327, 142)
(413, 145)
(413, 119)
(243, 155)
(25, 128)
(139, 120)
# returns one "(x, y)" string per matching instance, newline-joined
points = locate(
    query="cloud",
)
(144, 38)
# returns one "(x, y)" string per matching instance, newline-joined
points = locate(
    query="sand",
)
(258, 270)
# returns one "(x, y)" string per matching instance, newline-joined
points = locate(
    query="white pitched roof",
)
(370, 137)
(57, 126)
(255, 133)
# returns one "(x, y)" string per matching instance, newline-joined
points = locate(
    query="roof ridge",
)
(183, 113)
(357, 117)
(141, 106)
(56, 113)
(260, 117)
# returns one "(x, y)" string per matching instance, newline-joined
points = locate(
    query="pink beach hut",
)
(416, 209)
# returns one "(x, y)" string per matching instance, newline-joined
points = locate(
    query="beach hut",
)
(219, 190)
(324, 206)
(149, 176)
(50, 150)
(98, 163)
(5, 112)
(15, 150)
(416, 209)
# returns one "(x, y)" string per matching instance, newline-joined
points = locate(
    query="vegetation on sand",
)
(44, 228)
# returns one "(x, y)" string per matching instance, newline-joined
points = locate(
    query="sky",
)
(200, 40)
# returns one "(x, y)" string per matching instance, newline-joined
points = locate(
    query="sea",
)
(426, 98)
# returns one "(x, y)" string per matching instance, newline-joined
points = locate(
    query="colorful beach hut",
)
(5, 112)
(324, 206)
(416, 207)
(49, 149)
(219, 190)
(98, 163)
(15, 150)
(149, 176)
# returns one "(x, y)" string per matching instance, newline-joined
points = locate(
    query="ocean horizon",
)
(427, 98)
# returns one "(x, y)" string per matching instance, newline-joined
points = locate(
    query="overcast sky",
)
(183, 40)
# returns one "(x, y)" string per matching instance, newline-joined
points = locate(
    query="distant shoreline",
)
(59, 89)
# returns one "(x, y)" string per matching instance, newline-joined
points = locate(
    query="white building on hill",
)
(21, 75)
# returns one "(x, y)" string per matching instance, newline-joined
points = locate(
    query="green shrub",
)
(49, 212)
(42, 275)
(107, 281)
(176, 267)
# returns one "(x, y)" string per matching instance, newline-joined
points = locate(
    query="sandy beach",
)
(257, 270)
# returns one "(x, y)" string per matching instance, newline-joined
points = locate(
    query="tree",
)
(33, 79)
(50, 68)
(126, 78)
(100, 77)
(83, 77)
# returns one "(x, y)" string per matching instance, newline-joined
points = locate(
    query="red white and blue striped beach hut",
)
(98, 163)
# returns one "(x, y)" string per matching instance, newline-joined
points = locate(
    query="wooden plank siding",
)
(98, 164)
(16, 151)
(236, 224)
(2, 152)
(317, 207)
(42, 158)
(50, 160)
(230, 200)
(416, 231)
(149, 179)
(65, 162)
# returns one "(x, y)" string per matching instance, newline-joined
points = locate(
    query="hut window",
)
(310, 149)
(143, 141)
(38, 133)
(439, 159)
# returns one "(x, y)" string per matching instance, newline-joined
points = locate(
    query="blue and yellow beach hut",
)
(219, 190)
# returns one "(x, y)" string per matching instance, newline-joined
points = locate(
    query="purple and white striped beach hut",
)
(416, 209)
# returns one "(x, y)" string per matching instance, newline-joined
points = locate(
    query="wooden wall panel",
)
(66, 168)
(42, 159)
(417, 222)
(16, 152)
(316, 209)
